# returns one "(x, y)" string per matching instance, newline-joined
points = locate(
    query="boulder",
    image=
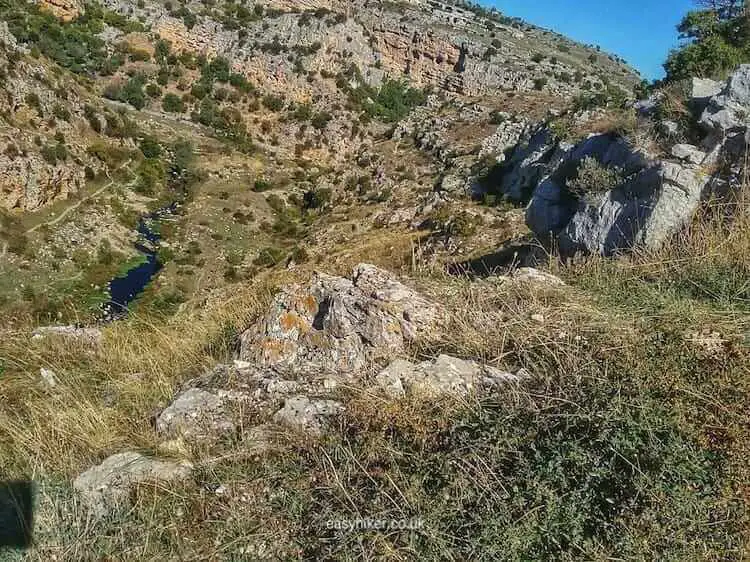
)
(198, 416)
(688, 153)
(702, 90)
(339, 325)
(668, 128)
(307, 415)
(106, 487)
(528, 164)
(445, 375)
(49, 377)
(643, 212)
(654, 199)
(727, 112)
(535, 276)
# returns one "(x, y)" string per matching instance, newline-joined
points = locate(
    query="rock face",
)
(727, 112)
(197, 415)
(106, 487)
(653, 197)
(445, 375)
(642, 212)
(338, 324)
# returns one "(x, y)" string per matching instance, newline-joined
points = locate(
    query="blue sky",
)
(640, 31)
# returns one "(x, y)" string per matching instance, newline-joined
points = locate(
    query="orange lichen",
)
(290, 320)
(310, 304)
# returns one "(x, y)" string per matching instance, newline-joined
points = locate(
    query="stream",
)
(124, 289)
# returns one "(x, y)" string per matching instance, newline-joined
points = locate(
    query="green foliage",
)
(217, 70)
(53, 153)
(240, 82)
(150, 147)
(61, 112)
(200, 90)
(131, 92)
(716, 42)
(273, 103)
(320, 120)
(391, 103)
(151, 176)
(152, 90)
(593, 177)
(316, 198)
(173, 103)
(74, 45)
(261, 185)
(269, 256)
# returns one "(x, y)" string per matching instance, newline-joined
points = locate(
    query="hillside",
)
(368, 279)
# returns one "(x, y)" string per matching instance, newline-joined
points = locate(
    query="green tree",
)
(716, 40)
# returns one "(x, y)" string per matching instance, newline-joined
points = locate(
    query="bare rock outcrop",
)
(338, 324)
(64, 10)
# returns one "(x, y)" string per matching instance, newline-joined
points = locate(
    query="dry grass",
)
(524, 473)
(105, 395)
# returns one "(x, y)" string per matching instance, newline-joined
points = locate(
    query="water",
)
(125, 289)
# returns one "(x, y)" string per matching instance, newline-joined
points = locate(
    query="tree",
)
(716, 41)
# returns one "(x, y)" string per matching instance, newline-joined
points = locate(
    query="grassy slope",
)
(630, 442)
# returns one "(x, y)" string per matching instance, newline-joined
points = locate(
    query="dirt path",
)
(68, 210)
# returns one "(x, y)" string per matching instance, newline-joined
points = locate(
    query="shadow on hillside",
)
(520, 253)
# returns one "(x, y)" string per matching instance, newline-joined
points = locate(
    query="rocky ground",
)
(436, 287)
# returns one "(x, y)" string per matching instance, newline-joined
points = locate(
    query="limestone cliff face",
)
(65, 10)
(29, 100)
(29, 182)
(437, 44)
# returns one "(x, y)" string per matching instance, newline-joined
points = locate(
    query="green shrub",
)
(269, 256)
(316, 198)
(150, 147)
(261, 185)
(61, 112)
(320, 120)
(273, 103)
(152, 90)
(591, 177)
(200, 90)
(173, 103)
(391, 103)
(151, 176)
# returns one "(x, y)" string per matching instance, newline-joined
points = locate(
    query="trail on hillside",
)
(73, 207)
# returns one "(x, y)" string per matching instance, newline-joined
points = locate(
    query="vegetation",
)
(592, 177)
(717, 39)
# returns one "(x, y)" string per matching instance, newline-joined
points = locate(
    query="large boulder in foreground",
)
(643, 211)
(339, 325)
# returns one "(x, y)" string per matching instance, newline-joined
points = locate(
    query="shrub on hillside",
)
(173, 103)
(592, 177)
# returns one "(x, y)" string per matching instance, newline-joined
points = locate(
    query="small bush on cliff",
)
(593, 177)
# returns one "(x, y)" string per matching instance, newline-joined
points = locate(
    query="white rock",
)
(445, 375)
(106, 487)
(688, 153)
(49, 377)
